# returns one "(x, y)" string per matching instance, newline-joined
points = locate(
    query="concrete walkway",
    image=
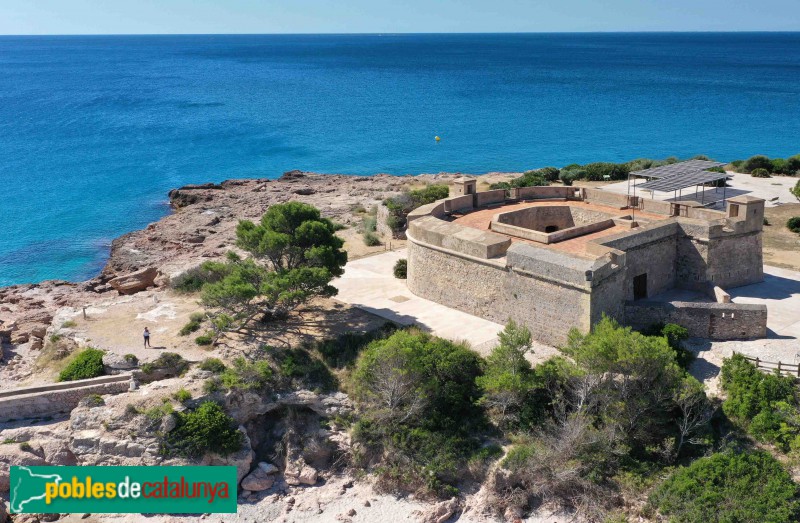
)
(368, 283)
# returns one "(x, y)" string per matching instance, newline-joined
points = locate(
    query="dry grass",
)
(781, 246)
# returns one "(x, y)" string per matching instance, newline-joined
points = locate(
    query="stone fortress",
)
(553, 258)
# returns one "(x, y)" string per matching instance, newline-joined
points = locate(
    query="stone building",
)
(554, 258)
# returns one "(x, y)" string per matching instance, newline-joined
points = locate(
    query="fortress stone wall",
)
(467, 252)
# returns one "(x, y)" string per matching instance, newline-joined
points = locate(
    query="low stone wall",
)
(602, 197)
(458, 203)
(716, 321)
(489, 197)
(539, 193)
(48, 400)
(458, 238)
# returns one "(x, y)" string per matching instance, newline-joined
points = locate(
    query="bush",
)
(170, 363)
(796, 190)
(730, 486)
(759, 173)
(794, 224)
(193, 279)
(371, 239)
(87, 364)
(205, 339)
(182, 395)
(765, 404)
(401, 269)
(599, 170)
(195, 320)
(214, 365)
(793, 165)
(420, 419)
(243, 376)
(132, 359)
(369, 224)
(758, 161)
(343, 350)
(69, 324)
(206, 429)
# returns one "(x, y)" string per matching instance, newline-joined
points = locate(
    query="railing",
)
(789, 369)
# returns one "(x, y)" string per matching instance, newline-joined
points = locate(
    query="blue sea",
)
(95, 130)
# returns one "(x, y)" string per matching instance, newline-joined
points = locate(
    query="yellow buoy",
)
(437, 138)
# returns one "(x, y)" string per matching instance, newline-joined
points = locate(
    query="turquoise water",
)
(95, 130)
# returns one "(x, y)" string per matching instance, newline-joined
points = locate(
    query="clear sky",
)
(387, 16)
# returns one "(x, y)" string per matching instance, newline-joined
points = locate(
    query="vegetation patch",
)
(205, 429)
(193, 325)
(401, 269)
(766, 405)
(87, 364)
(243, 375)
(729, 486)
(214, 365)
(168, 363)
(418, 398)
(793, 223)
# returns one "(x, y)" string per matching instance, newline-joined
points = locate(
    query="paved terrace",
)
(368, 283)
(481, 219)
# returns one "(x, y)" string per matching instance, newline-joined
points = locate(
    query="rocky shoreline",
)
(202, 227)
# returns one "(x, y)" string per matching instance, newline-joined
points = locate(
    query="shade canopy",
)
(676, 169)
(682, 181)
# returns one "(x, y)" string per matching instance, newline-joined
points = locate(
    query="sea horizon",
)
(97, 128)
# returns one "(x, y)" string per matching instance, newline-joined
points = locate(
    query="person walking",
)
(146, 338)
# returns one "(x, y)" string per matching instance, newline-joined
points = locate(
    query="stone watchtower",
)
(747, 208)
(463, 186)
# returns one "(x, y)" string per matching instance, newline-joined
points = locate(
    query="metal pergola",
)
(677, 176)
(678, 168)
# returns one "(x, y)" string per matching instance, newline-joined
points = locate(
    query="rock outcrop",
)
(134, 282)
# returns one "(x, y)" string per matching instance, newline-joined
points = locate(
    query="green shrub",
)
(243, 375)
(205, 339)
(170, 363)
(371, 239)
(26, 446)
(214, 365)
(429, 194)
(182, 395)
(193, 279)
(303, 370)
(206, 429)
(132, 359)
(343, 350)
(796, 190)
(426, 431)
(793, 224)
(599, 170)
(759, 173)
(87, 364)
(793, 165)
(731, 487)
(401, 269)
(195, 320)
(69, 324)
(369, 224)
(765, 404)
(758, 161)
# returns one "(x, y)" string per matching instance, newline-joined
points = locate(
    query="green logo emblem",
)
(105, 490)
